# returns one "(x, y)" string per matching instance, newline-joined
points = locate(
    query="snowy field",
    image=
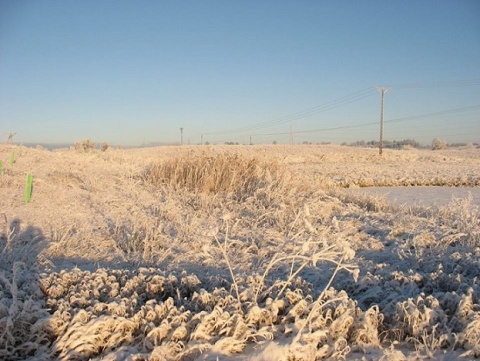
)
(238, 253)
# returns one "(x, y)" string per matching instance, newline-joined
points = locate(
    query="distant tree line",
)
(395, 144)
(437, 144)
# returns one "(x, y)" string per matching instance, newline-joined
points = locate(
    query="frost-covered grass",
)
(243, 253)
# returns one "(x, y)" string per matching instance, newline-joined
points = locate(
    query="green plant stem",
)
(28, 188)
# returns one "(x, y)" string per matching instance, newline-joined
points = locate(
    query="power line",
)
(441, 113)
(362, 94)
(473, 123)
(439, 84)
(423, 128)
(396, 120)
(350, 98)
(323, 129)
(443, 135)
(347, 99)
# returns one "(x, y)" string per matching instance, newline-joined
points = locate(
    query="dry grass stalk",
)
(224, 250)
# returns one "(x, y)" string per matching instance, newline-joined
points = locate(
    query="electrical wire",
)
(439, 84)
(441, 113)
(252, 130)
(396, 120)
(350, 98)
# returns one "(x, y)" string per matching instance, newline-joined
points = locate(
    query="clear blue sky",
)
(128, 72)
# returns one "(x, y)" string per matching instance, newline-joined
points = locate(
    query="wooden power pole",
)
(382, 91)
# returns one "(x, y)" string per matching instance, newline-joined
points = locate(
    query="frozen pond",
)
(425, 196)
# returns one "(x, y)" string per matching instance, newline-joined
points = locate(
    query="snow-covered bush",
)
(85, 145)
(438, 144)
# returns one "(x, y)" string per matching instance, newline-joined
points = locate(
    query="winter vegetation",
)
(236, 253)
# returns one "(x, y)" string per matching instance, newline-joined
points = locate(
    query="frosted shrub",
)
(438, 144)
(463, 215)
(85, 146)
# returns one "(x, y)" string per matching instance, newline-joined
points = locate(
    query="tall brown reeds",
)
(217, 173)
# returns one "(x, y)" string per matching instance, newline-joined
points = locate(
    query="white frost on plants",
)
(103, 265)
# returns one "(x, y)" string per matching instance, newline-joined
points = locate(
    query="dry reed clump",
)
(217, 174)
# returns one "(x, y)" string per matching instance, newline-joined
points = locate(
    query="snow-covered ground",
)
(113, 261)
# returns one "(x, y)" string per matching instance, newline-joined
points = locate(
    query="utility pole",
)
(251, 140)
(181, 136)
(382, 91)
(291, 135)
(201, 139)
